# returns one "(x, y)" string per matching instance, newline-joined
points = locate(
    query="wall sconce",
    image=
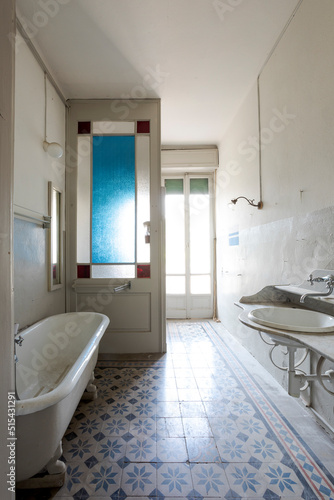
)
(250, 202)
(52, 148)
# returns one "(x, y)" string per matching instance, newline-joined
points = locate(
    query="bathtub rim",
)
(32, 405)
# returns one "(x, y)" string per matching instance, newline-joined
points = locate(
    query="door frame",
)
(188, 298)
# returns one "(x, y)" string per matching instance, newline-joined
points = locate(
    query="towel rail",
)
(32, 216)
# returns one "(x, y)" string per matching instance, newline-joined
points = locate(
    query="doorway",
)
(189, 245)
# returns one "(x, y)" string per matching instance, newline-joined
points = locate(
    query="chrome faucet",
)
(329, 280)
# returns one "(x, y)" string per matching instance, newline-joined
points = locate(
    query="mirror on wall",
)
(55, 238)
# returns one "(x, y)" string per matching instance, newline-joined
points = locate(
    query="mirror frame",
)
(55, 215)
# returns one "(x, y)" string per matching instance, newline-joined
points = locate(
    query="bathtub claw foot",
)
(56, 466)
(91, 389)
(46, 481)
(90, 393)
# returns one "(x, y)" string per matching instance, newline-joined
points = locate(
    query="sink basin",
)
(294, 320)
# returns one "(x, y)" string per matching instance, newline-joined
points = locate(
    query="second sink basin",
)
(295, 320)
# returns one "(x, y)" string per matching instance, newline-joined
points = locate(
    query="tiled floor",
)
(203, 421)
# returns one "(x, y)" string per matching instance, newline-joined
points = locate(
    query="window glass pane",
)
(143, 196)
(200, 285)
(199, 216)
(113, 200)
(100, 128)
(83, 199)
(175, 285)
(143, 127)
(199, 186)
(113, 271)
(143, 271)
(174, 186)
(175, 234)
(84, 127)
(83, 271)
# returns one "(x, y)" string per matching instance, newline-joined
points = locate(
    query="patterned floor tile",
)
(209, 480)
(223, 427)
(143, 426)
(141, 449)
(110, 448)
(264, 449)
(251, 426)
(246, 481)
(75, 476)
(144, 409)
(233, 450)
(240, 408)
(282, 480)
(103, 479)
(115, 426)
(193, 424)
(139, 479)
(79, 449)
(174, 480)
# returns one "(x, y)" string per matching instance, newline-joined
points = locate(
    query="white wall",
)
(33, 168)
(293, 234)
(7, 56)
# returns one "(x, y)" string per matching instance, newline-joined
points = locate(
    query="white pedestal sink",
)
(293, 319)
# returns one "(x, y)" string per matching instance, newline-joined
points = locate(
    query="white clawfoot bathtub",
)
(55, 365)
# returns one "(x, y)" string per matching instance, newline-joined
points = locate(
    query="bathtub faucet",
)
(329, 280)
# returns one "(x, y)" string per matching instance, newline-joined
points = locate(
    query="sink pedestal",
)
(297, 380)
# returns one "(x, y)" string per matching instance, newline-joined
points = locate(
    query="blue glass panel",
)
(113, 203)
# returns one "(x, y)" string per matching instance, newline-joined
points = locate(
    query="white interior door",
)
(115, 220)
(189, 246)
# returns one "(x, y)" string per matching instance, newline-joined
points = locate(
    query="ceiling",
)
(201, 57)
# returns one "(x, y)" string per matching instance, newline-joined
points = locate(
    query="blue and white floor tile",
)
(193, 424)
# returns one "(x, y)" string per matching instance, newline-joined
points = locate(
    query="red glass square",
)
(83, 127)
(143, 127)
(83, 270)
(143, 271)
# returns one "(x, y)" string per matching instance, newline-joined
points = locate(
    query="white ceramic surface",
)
(55, 364)
(295, 320)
